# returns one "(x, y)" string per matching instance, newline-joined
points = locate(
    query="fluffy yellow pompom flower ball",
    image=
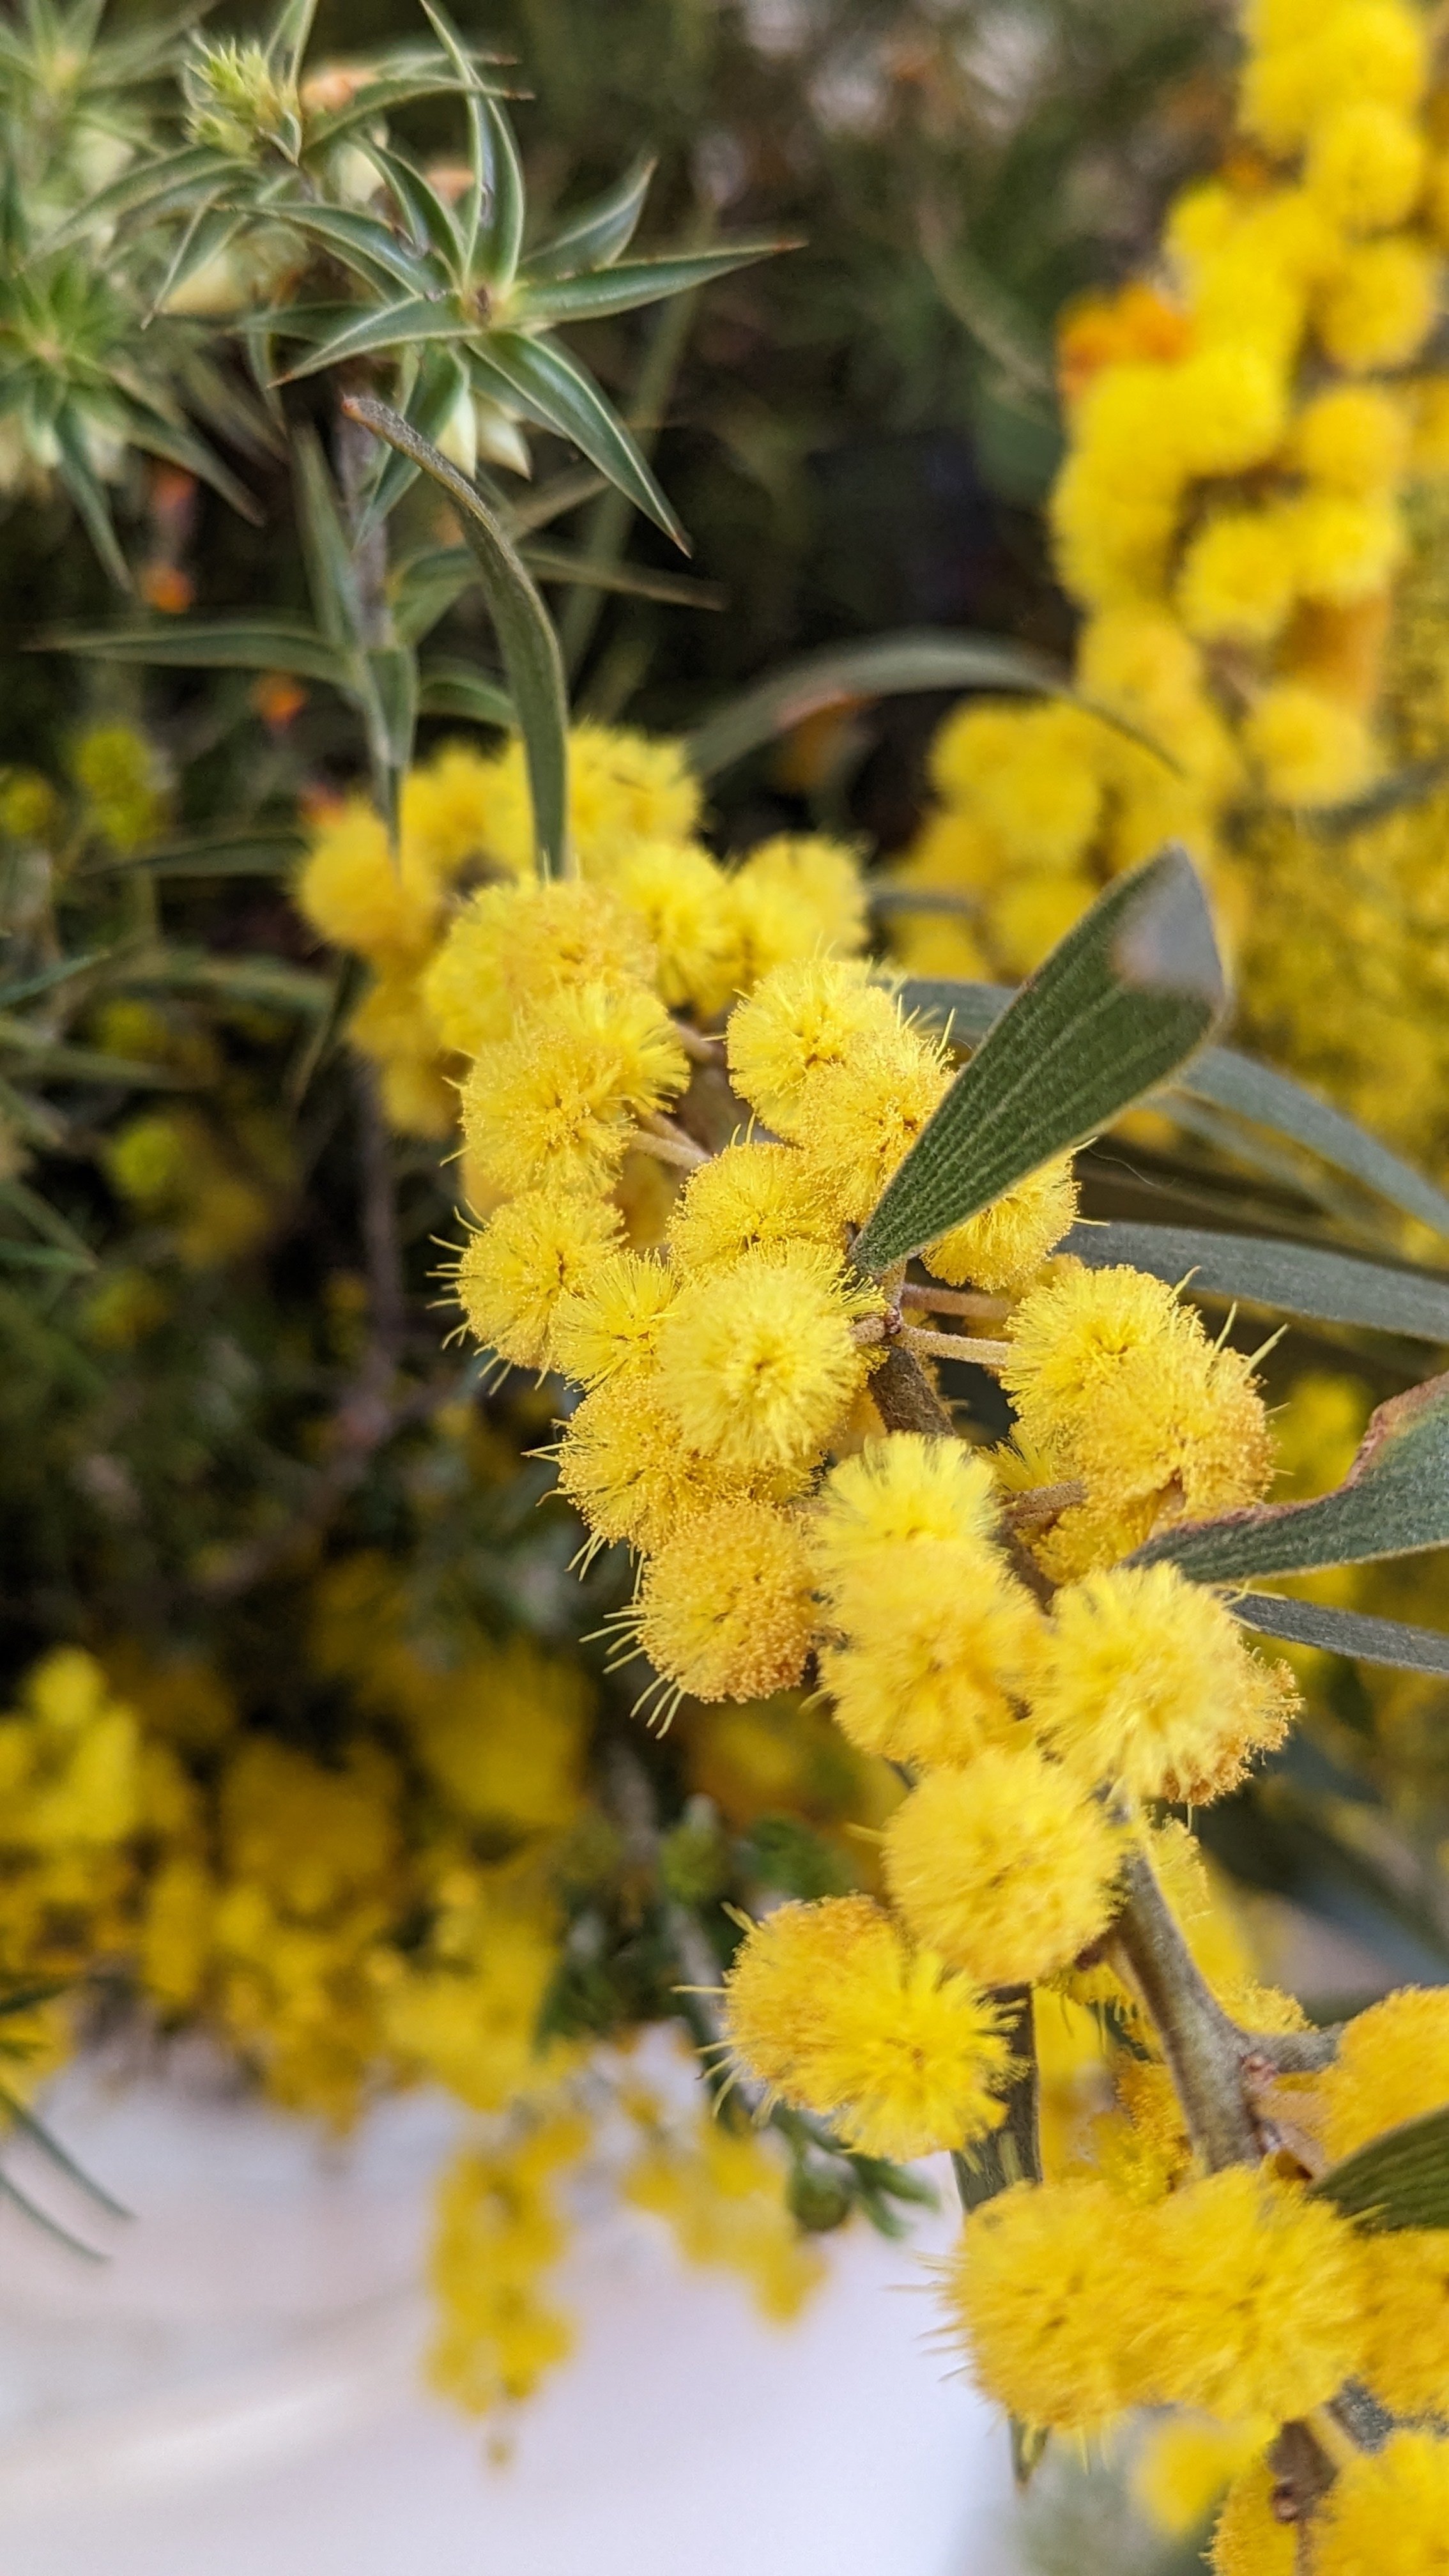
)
(612, 1320)
(1392, 2065)
(1387, 2509)
(1009, 1240)
(748, 1199)
(724, 1609)
(1354, 439)
(516, 942)
(1365, 167)
(1380, 307)
(1239, 578)
(1248, 2537)
(803, 1019)
(758, 1361)
(1053, 2290)
(827, 2006)
(681, 898)
(1406, 2308)
(514, 1270)
(624, 1465)
(623, 787)
(1310, 750)
(557, 1098)
(858, 1120)
(1258, 2296)
(1147, 1679)
(1006, 1868)
(356, 892)
(934, 1657)
(795, 898)
(894, 1493)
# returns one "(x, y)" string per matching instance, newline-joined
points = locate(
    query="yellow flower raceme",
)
(515, 943)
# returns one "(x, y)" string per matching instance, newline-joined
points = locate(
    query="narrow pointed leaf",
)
(50, 2147)
(327, 551)
(424, 589)
(1270, 1099)
(178, 445)
(632, 581)
(449, 688)
(1344, 1632)
(145, 189)
(429, 214)
(561, 397)
(241, 643)
(526, 639)
(500, 231)
(1393, 1502)
(389, 90)
(412, 320)
(361, 243)
(1123, 1000)
(480, 163)
(885, 666)
(1292, 1278)
(88, 493)
(1400, 2179)
(642, 281)
(392, 689)
(288, 40)
(598, 234)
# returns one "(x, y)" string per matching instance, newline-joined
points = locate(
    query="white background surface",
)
(235, 2393)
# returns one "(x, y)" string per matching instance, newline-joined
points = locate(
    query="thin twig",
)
(970, 1302)
(956, 1346)
(669, 1144)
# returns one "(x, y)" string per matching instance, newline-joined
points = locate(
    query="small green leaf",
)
(391, 89)
(1398, 2180)
(145, 189)
(392, 712)
(449, 688)
(495, 252)
(1123, 1000)
(885, 666)
(600, 233)
(362, 242)
(1394, 1501)
(240, 643)
(631, 581)
(412, 320)
(1344, 1632)
(526, 639)
(327, 551)
(1292, 1278)
(643, 281)
(560, 396)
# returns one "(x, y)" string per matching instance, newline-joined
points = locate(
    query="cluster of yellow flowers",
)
(1250, 515)
(740, 1419)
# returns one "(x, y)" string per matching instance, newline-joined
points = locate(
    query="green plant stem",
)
(1203, 2048)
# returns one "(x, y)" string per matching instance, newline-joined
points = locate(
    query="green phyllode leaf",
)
(1292, 1278)
(1226, 1080)
(526, 639)
(1398, 2180)
(1394, 1501)
(1344, 1632)
(882, 667)
(1119, 1004)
